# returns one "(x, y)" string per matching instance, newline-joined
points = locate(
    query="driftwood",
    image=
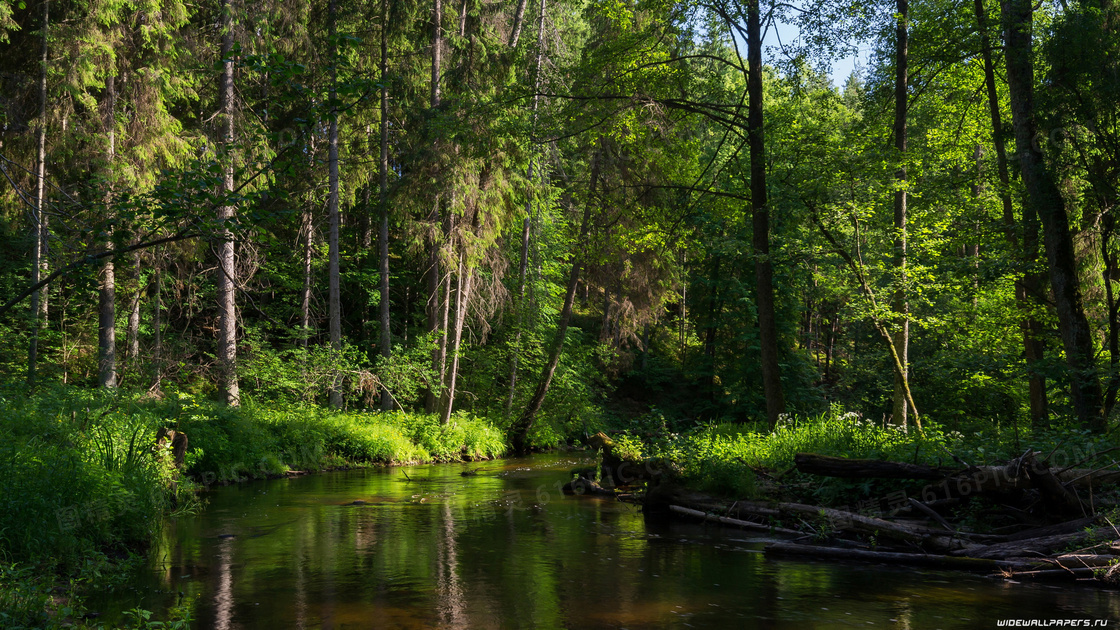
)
(826, 466)
(916, 559)
(616, 471)
(1068, 527)
(733, 521)
(923, 536)
(1083, 560)
(1041, 545)
(1027, 487)
(1058, 488)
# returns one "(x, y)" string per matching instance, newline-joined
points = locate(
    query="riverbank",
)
(85, 486)
(1034, 504)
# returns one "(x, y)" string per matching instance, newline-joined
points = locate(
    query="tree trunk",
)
(842, 467)
(227, 278)
(518, 18)
(335, 302)
(715, 306)
(437, 50)
(383, 200)
(308, 229)
(431, 397)
(435, 304)
(521, 272)
(462, 301)
(1110, 271)
(106, 327)
(157, 327)
(38, 298)
(1044, 198)
(132, 332)
(519, 430)
(760, 219)
(901, 306)
(107, 293)
(526, 229)
(1030, 283)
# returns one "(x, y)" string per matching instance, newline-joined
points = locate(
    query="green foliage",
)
(25, 601)
(464, 436)
(77, 474)
(261, 441)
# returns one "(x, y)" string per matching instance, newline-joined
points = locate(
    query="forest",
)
(313, 234)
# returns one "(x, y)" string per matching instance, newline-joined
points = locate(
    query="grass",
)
(83, 487)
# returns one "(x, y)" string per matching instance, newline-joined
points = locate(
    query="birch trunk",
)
(107, 293)
(38, 298)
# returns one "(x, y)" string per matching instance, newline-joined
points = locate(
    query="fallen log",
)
(1083, 560)
(1084, 477)
(936, 561)
(1067, 527)
(826, 466)
(733, 521)
(1023, 473)
(841, 520)
(1041, 545)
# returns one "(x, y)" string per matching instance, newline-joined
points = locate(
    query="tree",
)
(1046, 200)
(335, 305)
(901, 308)
(227, 270)
(383, 203)
(38, 304)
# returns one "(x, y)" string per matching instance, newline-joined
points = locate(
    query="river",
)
(504, 549)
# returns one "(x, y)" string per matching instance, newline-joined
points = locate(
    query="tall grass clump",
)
(79, 475)
(463, 437)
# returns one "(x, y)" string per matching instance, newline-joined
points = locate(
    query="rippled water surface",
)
(504, 549)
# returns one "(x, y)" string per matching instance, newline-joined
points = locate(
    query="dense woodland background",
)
(559, 214)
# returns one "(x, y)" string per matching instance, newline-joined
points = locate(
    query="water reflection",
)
(223, 594)
(370, 549)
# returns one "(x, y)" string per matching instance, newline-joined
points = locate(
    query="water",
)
(504, 549)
